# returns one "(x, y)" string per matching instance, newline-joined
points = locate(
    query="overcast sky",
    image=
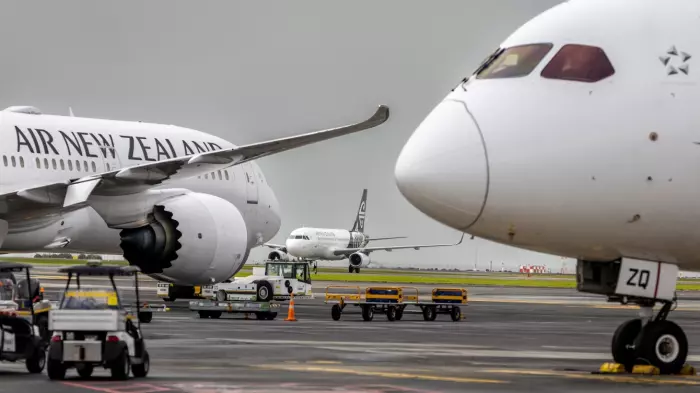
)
(255, 70)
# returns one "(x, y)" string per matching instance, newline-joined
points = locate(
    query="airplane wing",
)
(49, 199)
(386, 238)
(275, 246)
(367, 250)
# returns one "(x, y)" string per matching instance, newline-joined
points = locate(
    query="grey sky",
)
(254, 70)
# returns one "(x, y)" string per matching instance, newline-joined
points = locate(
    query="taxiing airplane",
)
(579, 136)
(313, 244)
(184, 206)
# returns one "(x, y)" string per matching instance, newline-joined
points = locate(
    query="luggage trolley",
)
(385, 300)
(442, 301)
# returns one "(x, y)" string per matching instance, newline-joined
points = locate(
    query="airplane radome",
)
(579, 137)
(182, 205)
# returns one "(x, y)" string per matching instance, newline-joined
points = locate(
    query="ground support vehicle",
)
(94, 328)
(20, 337)
(393, 301)
(265, 310)
(145, 313)
(277, 281)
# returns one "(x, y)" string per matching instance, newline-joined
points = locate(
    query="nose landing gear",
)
(651, 341)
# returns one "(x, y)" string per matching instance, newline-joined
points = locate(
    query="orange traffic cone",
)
(290, 312)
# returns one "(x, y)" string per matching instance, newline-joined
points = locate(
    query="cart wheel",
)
(367, 313)
(42, 321)
(429, 313)
(456, 313)
(141, 370)
(221, 296)
(203, 314)
(85, 370)
(391, 313)
(214, 314)
(335, 312)
(121, 366)
(399, 313)
(55, 369)
(264, 291)
(35, 364)
(145, 317)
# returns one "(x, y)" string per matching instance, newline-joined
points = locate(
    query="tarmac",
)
(511, 339)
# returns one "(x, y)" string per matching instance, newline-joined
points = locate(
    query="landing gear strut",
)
(651, 341)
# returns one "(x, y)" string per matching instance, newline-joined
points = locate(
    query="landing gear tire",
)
(623, 343)
(664, 345)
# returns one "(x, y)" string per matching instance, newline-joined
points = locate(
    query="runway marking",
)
(393, 375)
(612, 378)
(121, 388)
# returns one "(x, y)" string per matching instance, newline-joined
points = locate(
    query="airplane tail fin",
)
(359, 224)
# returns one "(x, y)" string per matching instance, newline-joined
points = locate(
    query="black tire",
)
(36, 363)
(335, 312)
(429, 313)
(399, 313)
(456, 313)
(221, 295)
(391, 313)
(664, 345)
(357, 270)
(214, 314)
(622, 346)
(351, 269)
(85, 371)
(367, 313)
(203, 314)
(169, 298)
(55, 369)
(145, 316)
(121, 366)
(264, 291)
(141, 370)
(42, 321)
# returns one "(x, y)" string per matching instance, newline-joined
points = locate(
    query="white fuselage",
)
(594, 171)
(40, 149)
(320, 243)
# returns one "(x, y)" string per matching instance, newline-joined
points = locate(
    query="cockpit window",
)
(513, 62)
(580, 63)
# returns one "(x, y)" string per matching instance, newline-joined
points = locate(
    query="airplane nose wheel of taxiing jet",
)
(660, 343)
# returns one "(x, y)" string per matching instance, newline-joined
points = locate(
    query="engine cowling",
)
(278, 255)
(359, 260)
(192, 239)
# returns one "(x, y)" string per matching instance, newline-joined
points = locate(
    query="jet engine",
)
(193, 238)
(357, 261)
(278, 255)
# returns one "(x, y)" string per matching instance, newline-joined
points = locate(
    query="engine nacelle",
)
(279, 255)
(359, 259)
(192, 239)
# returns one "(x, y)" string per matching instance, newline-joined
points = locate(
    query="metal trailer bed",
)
(394, 302)
(214, 308)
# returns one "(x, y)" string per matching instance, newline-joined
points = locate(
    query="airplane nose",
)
(443, 170)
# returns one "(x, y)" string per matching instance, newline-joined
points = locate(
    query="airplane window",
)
(63, 166)
(38, 162)
(4, 160)
(70, 165)
(514, 62)
(14, 163)
(107, 165)
(53, 163)
(580, 63)
(46, 163)
(77, 165)
(226, 174)
(220, 174)
(94, 168)
(299, 237)
(213, 177)
(21, 162)
(85, 165)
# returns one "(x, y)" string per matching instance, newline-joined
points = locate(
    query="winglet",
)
(70, 111)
